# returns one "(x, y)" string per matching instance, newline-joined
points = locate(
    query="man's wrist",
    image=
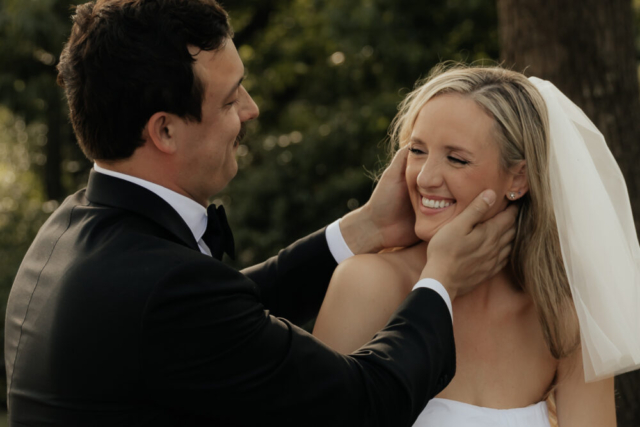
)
(337, 246)
(439, 288)
(360, 233)
(430, 272)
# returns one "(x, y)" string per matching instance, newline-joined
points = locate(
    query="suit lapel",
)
(110, 191)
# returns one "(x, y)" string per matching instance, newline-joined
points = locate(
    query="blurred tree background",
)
(327, 76)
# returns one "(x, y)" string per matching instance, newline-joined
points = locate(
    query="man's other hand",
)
(387, 220)
(466, 252)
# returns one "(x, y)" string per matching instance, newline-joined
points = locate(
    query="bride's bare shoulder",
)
(364, 292)
(397, 269)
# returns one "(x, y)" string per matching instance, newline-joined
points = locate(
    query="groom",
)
(122, 313)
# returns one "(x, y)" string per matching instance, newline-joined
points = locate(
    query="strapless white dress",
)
(451, 413)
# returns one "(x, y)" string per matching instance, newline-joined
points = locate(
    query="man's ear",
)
(161, 132)
(519, 181)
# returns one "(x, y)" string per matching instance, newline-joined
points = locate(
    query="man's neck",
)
(127, 168)
(150, 174)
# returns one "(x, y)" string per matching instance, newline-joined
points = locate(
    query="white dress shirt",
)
(195, 216)
(191, 212)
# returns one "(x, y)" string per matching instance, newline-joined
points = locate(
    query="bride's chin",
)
(425, 235)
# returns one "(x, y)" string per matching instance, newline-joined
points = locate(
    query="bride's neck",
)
(500, 285)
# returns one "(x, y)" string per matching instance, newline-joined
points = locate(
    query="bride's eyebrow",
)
(458, 148)
(416, 140)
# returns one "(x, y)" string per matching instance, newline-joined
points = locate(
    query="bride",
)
(537, 329)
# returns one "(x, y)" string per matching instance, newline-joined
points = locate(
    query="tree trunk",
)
(586, 48)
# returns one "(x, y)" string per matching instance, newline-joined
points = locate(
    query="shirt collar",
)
(191, 212)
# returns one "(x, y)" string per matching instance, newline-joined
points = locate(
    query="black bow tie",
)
(218, 235)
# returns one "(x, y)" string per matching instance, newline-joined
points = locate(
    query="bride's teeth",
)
(435, 204)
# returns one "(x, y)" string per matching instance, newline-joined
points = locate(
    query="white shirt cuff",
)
(436, 286)
(337, 246)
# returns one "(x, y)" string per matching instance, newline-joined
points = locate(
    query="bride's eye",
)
(414, 150)
(458, 161)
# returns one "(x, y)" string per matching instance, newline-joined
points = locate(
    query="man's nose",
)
(250, 109)
(430, 175)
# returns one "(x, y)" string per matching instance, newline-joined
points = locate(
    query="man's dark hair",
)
(128, 59)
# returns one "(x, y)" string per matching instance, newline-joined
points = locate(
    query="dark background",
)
(327, 76)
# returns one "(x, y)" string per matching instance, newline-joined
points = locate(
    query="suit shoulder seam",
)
(31, 297)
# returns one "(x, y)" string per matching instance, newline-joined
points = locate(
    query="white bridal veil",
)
(597, 236)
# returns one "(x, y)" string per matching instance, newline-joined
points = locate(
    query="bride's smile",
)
(435, 204)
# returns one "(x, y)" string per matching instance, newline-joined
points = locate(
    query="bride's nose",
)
(430, 175)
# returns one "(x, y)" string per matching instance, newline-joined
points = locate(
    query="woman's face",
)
(453, 157)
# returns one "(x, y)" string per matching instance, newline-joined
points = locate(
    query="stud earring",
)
(512, 196)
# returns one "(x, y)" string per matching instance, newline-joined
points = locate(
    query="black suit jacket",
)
(117, 319)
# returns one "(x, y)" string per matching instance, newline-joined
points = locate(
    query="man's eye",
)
(459, 161)
(232, 103)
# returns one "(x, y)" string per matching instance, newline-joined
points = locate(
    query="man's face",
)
(207, 151)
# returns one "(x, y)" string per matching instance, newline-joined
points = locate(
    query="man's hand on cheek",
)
(466, 252)
(387, 220)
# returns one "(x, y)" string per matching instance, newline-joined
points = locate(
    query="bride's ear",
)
(519, 182)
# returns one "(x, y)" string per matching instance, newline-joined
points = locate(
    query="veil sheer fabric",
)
(597, 236)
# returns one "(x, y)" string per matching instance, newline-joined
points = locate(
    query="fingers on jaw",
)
(505, 221)
(504, 253)
(502, 261)
(513, 212)
(479, 208)
(507, 237)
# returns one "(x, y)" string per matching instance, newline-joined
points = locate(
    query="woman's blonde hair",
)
(522, 133)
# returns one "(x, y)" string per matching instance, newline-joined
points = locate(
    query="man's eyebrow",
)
(235, 87)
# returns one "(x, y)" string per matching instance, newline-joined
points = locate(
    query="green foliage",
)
(33, 34)
(327, 77)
